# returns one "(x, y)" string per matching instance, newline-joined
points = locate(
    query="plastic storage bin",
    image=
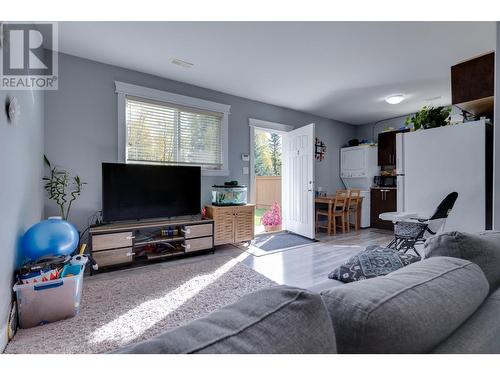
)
(229, 195)
(48, 301)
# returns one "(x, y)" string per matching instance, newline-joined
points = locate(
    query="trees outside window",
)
(274, 143)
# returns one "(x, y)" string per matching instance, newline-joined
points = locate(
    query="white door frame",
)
(267, 126)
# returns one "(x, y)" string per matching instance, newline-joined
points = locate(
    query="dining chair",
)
(338, 209)
(352, 209)
(323, 213)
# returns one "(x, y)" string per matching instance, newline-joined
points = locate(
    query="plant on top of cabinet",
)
(429, 117)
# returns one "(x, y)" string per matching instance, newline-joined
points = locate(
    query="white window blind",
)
(164, 133)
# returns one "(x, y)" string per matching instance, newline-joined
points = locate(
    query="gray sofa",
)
(447, 303)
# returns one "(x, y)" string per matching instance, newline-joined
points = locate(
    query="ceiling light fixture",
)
(184, 64)
(395, 99)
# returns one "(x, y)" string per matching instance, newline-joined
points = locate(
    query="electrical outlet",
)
(245, 170)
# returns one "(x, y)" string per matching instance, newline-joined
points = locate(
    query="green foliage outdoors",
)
(259, 212)
(268, 153)
(172, 135)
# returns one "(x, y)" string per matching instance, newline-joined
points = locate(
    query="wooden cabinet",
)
(111, 241)
(113, 257)
(473, 84)
(223, 224)
(382, 200)
(232, 223)
(387, 147)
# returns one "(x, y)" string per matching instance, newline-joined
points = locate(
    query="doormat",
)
(266, 244)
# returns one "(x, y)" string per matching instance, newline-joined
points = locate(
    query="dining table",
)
(330, 200)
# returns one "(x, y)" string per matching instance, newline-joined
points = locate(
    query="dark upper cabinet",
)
(382, 200)
(387, 148)
(473, 84)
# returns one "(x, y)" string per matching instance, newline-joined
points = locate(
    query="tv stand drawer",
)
(112, 257)
(196, 244)
(111, 241)
(192, 231)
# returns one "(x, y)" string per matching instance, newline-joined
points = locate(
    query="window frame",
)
(123, 90)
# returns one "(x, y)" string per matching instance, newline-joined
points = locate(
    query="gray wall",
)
(371, 131)
(81, 127)
(21, 198)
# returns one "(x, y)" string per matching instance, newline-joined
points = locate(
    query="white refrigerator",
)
(432, 163)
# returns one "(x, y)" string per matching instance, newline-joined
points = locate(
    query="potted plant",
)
(62, 188)
(429, 117)
(272, 219)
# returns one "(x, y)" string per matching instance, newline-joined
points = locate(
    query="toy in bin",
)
(75, 266)
(54, 267)
(50, 288)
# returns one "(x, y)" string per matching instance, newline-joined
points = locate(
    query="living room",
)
(166, 194)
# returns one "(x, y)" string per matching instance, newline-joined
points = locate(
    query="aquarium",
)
(229, 195)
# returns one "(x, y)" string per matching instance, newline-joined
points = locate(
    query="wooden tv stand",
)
(124, 243)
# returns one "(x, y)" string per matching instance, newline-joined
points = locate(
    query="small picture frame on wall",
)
(319, 149)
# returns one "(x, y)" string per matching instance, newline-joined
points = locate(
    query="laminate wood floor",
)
(309, 265)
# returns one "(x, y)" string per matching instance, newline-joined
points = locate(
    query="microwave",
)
(385, 181)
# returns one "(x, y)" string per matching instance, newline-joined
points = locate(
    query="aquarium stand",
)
(233, 224)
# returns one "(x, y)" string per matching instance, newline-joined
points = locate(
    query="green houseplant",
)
(62, 188)
(429, 117)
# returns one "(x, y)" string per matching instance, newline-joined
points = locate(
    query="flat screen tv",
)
(137, 191)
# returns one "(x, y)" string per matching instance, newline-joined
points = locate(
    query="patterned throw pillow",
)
(372, 262)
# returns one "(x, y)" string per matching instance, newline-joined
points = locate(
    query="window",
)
(158, 127)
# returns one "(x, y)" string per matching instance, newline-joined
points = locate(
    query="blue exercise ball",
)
(52, 237)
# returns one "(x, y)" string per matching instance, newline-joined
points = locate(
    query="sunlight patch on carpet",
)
(135, 322)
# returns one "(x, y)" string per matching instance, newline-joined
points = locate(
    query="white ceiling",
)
(339, 70)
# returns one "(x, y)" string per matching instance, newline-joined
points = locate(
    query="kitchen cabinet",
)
(473, 85)
(387, 147)
(382, 200)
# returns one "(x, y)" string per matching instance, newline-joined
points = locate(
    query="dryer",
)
(358, 166)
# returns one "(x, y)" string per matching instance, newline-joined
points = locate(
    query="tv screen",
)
(135, 191)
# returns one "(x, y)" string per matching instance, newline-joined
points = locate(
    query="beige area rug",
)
(128, 306)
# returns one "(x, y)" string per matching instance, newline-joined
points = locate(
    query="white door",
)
(298, 181)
